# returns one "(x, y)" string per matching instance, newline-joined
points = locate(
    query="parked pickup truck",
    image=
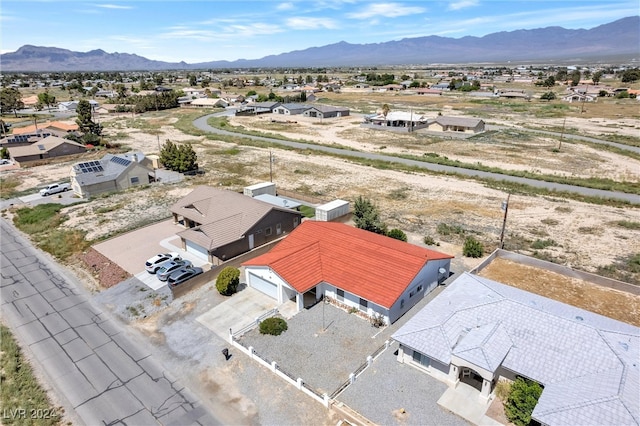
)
(54, 189)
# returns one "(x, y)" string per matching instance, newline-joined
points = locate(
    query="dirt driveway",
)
(132, 249)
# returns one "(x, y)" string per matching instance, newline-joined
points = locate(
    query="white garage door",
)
(268, 288)
(197, 250)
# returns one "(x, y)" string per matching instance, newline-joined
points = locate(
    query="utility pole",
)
(562, 133)
(505, 208)
(270, 166)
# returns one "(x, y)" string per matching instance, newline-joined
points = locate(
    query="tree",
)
(397, 234)
(228, 280)
(472, 248)
(46, 98)
(178, 158)
(549, 96)
(522, 399)
(4, 153)
(596, 77)
(630, 76)
(575, 77)
(549, 81)
(85, 122)
(385, 110)
(193, 80)
(10, 100)
(367, 217)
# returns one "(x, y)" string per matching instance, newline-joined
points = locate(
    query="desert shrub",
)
(428, 240)
(472, 248)
(542, 244)
(522, 400)
(397, 234)
(228, 280)
(274, 326)
(446, 229)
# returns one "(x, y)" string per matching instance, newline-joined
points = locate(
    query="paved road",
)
(101, 375)
(201, 123)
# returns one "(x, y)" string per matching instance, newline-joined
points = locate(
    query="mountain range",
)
(619, 39)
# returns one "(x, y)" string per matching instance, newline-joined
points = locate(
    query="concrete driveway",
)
(131, 250)
(238, 311)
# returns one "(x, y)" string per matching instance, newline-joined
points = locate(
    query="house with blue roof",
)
(478, 331)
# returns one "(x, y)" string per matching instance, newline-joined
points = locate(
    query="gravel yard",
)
(323, 359)
(385, 389)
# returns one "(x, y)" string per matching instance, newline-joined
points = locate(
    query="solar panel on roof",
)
(41, 148)
(89, 167)
(121, 161)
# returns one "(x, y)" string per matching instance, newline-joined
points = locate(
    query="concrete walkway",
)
(464, 401)
(238, 311)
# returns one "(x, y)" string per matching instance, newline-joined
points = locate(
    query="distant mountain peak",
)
(619, 39)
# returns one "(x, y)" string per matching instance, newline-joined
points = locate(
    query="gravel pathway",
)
(387, 387)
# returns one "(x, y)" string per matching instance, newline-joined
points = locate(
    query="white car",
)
(156, 262)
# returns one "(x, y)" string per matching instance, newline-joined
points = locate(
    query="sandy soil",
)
(573, 291)
(584, 236)
(507, 150)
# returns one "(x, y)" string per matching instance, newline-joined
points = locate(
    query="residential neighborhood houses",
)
(302, 253)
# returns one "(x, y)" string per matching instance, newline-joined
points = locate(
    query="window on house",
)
(135, 179)
(268, 231)
(401, 303)
(419, 289)
(340, 294)
(411, 293)
(278, 229)
(363, 304)
(295, 221)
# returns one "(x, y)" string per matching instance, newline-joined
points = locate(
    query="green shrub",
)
(428, 240)
(472, 248)
(274, 326)
(397, 234)
(522, 400)
(228, 280)
(446, 229)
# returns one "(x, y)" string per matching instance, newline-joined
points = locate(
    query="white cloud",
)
(304, 23)
(388, 10)
(285, 6)
(113, 6)
(463, 4)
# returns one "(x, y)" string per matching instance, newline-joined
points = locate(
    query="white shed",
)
(332, 210)
(260, 188)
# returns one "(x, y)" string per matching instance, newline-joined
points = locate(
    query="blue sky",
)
(207, 30)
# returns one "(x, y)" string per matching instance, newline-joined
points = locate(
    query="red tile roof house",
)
(373, 273)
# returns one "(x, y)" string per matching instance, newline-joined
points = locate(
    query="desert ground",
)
(576, 234)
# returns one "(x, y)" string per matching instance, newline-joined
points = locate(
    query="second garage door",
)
(199, 251)
(268, 288)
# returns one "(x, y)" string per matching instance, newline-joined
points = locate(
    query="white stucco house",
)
(478, 331)
(377, 275)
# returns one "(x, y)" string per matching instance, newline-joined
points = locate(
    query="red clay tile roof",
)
(68, 127)
(372, 266)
